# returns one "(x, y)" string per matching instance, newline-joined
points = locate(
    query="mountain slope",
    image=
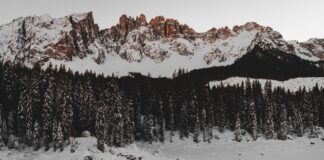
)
(159, 46)
(259, 63)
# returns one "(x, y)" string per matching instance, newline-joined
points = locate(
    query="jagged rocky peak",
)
(85, 23)
(84, 33)
(162, 27)
(226, 32)
(76, 40)
(38, 38)
(127, 23)
(316, 46)
(170, 27)
(220, 33)
(141, 20)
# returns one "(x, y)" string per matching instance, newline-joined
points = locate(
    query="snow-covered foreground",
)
(86, 149)
(223, 149)
(227, 149)
(291, 84)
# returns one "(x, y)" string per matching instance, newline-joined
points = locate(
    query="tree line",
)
(43, 108)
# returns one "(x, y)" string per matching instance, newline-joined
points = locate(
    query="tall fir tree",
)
(47, 113)
(238, 133)
(37, 144)
(269, 126)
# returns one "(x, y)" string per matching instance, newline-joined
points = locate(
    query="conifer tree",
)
(129, 121)
(197, 128)
(55, 133)
(47, 113)
(60, 138)
(204, 126)
(148, 128)
(117, 120)
(221, 115)
(269, 126)
(283, 123)
(183, 122)
(25, 115)
(100, 126)
(238, 134)
(171, 118)
(36, 137)
(65, 106)
(250, 110)
(101, 121)
(1, 127)
(161, 120)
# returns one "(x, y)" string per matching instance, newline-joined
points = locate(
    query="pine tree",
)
(171, 118)
(129, 122)
(1, 128)
(11, 122)
(25, 115)
(195, 113)
(65, 106)
(88, 104)
(100, 128)
(60, 138)
(161, 121)
(197, 128)
(258, 104)
(298, 124)
(269, 126)
(36, 137)
(55, 133)
(250, 110)
(204, 126)
(116, 128)
(183, 119)
(316, 104)
(238, 134)
(84, 101)
(148, 128)
(221, 114)
(101, 112)
(283, 123)
(10, 87)
(47, 112)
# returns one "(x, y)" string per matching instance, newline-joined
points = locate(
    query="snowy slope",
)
(224, 148)
(227, 149)
(291, 84)
(86, 147)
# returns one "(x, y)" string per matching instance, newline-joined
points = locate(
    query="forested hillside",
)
(43, 106)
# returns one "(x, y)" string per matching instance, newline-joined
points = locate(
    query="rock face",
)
(169, 27)
(38, 39)
(84, 32)
(316, 46)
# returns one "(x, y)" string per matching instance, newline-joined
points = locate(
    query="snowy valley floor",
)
(222, 149)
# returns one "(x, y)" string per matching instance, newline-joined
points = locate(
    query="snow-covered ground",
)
(86, 148)
(291, 84)
(223, 149)
(227, 149)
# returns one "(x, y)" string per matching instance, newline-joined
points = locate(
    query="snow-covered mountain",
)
(159, 46)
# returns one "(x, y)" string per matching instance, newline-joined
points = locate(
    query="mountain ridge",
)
(161, 45)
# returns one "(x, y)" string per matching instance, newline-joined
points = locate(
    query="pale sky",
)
(294, 19)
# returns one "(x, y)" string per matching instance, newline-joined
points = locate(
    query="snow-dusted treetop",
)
(292, 84)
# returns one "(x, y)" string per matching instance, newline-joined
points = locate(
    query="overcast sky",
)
(295, 19)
